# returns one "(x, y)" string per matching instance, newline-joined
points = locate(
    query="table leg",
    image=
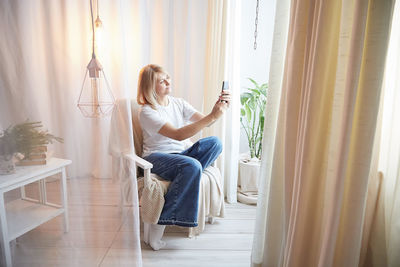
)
(23, 195)
(64, 201)
(42, 191)
(4, 231)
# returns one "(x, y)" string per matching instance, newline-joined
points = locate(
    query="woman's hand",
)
(200, 121)
(221, 105)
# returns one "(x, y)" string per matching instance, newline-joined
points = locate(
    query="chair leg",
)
(211, 220)
(146, 232)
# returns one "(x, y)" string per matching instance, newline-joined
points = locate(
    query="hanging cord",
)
(256, 25)
(98, 20)
(91, 13)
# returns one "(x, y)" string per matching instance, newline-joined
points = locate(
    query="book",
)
(38, 156)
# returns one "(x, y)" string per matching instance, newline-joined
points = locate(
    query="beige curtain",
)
(317, 169)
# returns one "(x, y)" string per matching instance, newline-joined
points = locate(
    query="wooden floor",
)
(100, 234)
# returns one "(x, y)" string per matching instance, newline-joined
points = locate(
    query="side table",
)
(22, 215)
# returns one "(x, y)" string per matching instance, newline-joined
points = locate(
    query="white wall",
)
(255, 63)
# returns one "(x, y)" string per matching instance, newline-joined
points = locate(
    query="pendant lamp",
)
(96, 99)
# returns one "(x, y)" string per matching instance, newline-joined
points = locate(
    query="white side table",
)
(22, 215)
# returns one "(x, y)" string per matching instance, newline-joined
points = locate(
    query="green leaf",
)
(258, 140)
(253, 81)
(246, 95)
(255, 91)
(244, 99)
(263, 91)
(248, 113)
(262, 120)
(253, 103)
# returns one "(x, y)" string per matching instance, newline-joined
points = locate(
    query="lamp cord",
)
(91, 13)
(256, 25)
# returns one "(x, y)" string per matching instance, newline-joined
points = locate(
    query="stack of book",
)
(37, 157)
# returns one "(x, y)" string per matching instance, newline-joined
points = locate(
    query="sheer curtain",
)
(264, 210)
(382, 241)
(45, 48)
(223, 63)
(319, 141)
(389, 162)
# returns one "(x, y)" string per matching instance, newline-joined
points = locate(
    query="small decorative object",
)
(7, 165)
(8, 147)
(37, 156)
(252, 116)
(27, 139)
(96, 99)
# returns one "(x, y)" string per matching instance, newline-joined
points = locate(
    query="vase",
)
(248, 181)
(248, 175)
(7, 165)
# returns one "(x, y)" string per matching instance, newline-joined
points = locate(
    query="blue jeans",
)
(184, 171)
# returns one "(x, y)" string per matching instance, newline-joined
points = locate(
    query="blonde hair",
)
(146, 93)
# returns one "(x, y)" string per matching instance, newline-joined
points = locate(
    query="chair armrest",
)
(144, 164)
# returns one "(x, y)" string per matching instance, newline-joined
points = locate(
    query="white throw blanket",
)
(211, 199)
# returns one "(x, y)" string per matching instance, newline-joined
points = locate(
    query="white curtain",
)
(389, 163)
(383, 238)
(223, 63)
(278, 55)
(45, 48)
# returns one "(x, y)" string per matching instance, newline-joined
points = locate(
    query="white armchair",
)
(125, 147)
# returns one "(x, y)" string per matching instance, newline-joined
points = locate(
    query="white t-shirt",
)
(177, 113)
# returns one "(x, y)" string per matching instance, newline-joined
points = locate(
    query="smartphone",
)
(225, 86)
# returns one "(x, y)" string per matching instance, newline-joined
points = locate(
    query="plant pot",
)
(248, 181)
(248, 175)
(7, 165)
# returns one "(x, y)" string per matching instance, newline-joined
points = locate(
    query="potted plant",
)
(8, 147)
(22, 138)
(252, 117)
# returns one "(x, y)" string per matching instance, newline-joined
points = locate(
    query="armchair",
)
(125, 147)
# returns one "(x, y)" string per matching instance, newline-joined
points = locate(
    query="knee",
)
(216, 144)
(193, 166)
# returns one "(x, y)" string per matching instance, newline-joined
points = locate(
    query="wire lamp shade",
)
(96, 99)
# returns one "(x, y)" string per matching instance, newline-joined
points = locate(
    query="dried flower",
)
(23, 138)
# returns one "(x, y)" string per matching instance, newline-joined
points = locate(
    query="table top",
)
(26, 172)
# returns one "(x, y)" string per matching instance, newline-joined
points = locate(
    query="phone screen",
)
(225, 86)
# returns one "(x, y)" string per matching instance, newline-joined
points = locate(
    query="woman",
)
(164, 120)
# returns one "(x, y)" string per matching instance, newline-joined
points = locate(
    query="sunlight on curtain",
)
(46, 47)
(232, 74)
(390, 166)
(265, 253)
(316, 168)
(223, 63)
(383, 244)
